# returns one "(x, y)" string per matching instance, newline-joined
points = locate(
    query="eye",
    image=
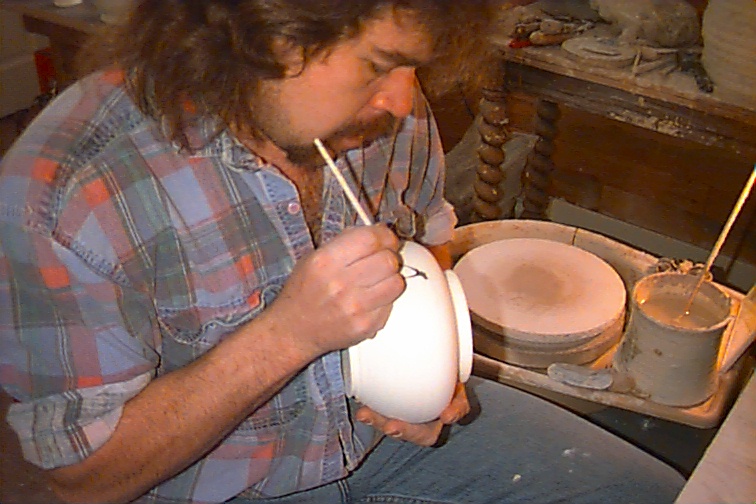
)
(379, 69)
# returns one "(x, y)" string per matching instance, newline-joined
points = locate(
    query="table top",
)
(666, 101)
(673, 87)
(82, 17)
(726, 471)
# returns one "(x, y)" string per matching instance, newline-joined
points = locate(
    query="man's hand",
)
(341, 293)
(425, 434)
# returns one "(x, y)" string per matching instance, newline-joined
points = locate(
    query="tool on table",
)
(599, 52)
(548, 31)
(690, 62)
(649, 59)
(581, 376)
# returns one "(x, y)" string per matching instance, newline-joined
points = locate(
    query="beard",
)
(351, 136)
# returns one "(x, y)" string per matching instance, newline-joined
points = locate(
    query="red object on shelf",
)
(519, 43)
(45, 70)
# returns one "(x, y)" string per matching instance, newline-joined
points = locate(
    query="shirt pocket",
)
(188, 332)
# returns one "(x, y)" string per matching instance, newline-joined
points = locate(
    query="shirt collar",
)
(212, 141)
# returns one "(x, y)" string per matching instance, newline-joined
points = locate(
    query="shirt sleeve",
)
(439, 226)
(51, 438)
(427, 180)
(74, 346)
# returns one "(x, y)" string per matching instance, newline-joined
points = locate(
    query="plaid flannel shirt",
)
(123, 258)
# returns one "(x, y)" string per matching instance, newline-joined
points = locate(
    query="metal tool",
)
(690, 62)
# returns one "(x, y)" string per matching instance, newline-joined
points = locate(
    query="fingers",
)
(374, 269)
(367, 287)
(458, 408)
(343, 292)
(424, 434)
(362, 258)
(362, 242)
(361, 271)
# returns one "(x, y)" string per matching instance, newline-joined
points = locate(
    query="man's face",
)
(353, 94)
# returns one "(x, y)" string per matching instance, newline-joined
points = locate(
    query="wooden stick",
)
(723, 235)
(746, 314)
(364, 217)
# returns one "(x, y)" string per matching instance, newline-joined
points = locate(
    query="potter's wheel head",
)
(541, 293)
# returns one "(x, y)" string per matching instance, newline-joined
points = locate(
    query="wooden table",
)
(663, 101)
(727, 472)
(68, 29)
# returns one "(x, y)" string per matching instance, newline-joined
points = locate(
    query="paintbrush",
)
(722, 237)
(364, 217)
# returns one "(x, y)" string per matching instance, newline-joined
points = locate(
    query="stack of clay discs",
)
(534, 302)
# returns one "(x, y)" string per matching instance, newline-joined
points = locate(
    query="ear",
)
(290, 55)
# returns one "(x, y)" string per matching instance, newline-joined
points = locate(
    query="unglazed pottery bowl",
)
(410, 368)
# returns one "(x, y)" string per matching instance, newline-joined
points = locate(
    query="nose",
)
(397, 93)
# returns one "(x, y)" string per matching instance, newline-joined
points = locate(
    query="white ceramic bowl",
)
(410, 369)
(114, 12)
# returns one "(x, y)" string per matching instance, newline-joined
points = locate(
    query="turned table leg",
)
(539, 167)
(492, 127)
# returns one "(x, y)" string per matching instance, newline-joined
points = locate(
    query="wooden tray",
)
(705, 415)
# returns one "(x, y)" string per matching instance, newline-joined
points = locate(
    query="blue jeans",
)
(516, 448)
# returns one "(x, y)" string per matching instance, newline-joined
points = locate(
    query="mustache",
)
(383, 125)
(365, 131)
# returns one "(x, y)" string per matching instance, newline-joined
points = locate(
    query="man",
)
(178, 274)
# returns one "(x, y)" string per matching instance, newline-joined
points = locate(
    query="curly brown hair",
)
(214, 53)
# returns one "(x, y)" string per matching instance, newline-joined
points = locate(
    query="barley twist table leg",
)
(492, 127)
(539, 167)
